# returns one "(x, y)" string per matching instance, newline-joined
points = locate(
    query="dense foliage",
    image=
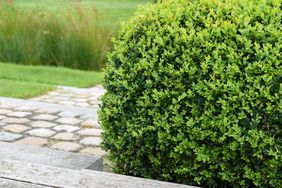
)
(194, 94)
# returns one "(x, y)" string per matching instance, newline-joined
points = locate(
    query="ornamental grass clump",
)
(194, 94)
(76, 38)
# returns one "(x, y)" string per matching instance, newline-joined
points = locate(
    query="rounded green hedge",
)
(194, 94)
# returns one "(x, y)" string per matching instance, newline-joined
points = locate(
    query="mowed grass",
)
(114, 11)
(24, 81)
(22, 89)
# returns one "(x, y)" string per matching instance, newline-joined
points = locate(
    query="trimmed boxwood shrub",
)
(194, 94)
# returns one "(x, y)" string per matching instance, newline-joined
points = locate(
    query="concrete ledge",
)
(67, 178)
(7, 183)
(49, 157)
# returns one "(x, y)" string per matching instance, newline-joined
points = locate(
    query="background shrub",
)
(194, 94)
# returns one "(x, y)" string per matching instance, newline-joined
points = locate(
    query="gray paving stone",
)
(16, 120)
(26, 108)
(15, 128)
(83, 104)
(91, 141)
(51, 100)
(65, 136)
(41, 132)
(61, 98)
(8, 137)
(42, 124)
(82, 95)
(80, 100)
(5, 111)
(2, 124)
(47, 111)
(66, 102)
(68, 114)
(96, 95)
(66, 128)
(94, 98)
(90, 132)
(66, 146)
(93, 151)
(33, 141)
(53, 93)
(94, 102)
(46, 117)
(8, 106)
(19, 114)
(66, 95)
(70, 121)
(90, 124)
(2, 117)
(90, 116)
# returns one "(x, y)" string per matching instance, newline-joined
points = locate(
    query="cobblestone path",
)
(73, 96)
(64, 119)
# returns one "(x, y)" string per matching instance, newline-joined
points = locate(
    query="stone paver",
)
(68, 114)
(5, 111)
(66, 102)
(15, 128)
(66, 136)
(8, 106)
(6, 136)
(91, 141)
(19, 114)
(26, 108)
(46, 117)
(70, 121)
(90, 132)
(47, 111)
(93, 151)
(41, 132)
(66, 128)
(42, 124)
(16, 120)
(64, 119)
(66, 146)
(90, 124)
(90, 116)
(33, 141)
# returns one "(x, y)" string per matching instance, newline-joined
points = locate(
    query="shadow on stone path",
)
(64, 119)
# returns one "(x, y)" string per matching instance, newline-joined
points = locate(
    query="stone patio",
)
(64, 119)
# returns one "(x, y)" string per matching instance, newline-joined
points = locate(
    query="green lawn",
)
(21, 81)
(22, 89)
(114, 11)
